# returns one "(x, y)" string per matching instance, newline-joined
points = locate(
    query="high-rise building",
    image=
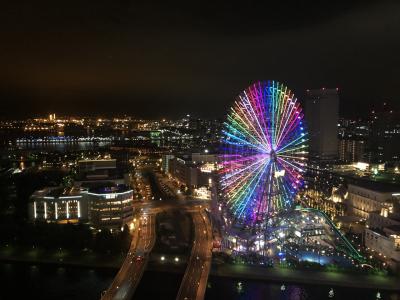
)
(384, 138)
(52, 117)
(351, 150)
(166, 162)
(322, 115)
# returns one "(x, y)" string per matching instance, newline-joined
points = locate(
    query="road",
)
(158, 206)
(194, 281)
(143, 239)
(144, 235)
(129, 275)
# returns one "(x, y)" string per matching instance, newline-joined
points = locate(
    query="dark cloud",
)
(166, 59)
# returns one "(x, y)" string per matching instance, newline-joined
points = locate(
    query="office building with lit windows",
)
(56, 204)
(107, 189)
(194, 170)
(351, 150)
(103, 204)
(101, 196)
(165, 162)
(110, 204)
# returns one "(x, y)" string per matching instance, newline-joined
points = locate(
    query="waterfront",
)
(224, 288)
(51, 282)
(62, 146)
(20, 280)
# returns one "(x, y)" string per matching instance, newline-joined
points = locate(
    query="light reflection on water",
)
(20, 281)
(63, 147)
(224, 288)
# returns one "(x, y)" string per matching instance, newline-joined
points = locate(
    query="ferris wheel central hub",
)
(273, 156)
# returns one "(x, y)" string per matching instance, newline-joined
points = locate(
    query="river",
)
(23, 281)
(63, 147)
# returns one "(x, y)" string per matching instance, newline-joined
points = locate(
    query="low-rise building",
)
(184, 171)
(204, 158)
(384, 218)
(363, 199)
(333, 205)
(193, 173)
(101, 196)
(88, 165)
(59, 205)
(386, 243)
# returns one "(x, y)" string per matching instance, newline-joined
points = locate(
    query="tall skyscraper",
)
(384, 138)
(322, 115)
(351, 150)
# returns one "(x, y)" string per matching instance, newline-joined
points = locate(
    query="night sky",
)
(147, 60)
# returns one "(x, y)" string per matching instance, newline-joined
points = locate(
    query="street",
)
(194, 282)
(128, 277)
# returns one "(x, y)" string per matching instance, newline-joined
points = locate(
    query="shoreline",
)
(111, 264)
(242, 272)
(387, 283)
(73, 264)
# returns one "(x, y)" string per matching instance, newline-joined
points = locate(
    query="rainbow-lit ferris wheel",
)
(265, 150)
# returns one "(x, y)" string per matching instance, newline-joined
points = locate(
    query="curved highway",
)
(194, 281)
(129, 275)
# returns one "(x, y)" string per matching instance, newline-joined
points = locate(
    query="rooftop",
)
(101, 174)
(110, 160)
(56, 192)
(106, 188)
(394, 228)
(377, 186)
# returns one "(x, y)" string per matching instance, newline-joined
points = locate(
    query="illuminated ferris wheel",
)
(265, 149)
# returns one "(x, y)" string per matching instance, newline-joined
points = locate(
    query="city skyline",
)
(366, 115)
